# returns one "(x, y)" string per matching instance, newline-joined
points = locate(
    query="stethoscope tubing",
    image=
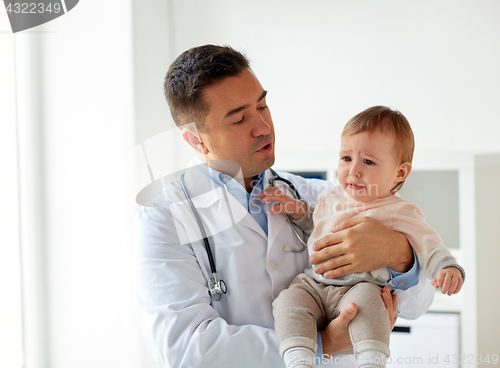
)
(286, 181)
(218, 287)
(202, 228)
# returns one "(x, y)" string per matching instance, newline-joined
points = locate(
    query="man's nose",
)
(261, 126)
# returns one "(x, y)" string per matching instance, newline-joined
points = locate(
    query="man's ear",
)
(192, 137)
(403, 172)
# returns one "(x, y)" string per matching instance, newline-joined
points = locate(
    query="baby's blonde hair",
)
(386, 120)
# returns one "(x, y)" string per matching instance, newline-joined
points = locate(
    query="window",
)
(11, 342)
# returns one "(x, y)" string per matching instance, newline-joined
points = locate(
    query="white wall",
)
(323, 61)
(81, 88)
(487, 268)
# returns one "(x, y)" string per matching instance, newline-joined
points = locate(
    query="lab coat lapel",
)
(209, 199)
(233, 208)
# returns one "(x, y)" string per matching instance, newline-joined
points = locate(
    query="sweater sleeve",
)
(426, 243)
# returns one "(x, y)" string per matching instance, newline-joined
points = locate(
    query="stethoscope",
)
(276, 178)
(216, 286)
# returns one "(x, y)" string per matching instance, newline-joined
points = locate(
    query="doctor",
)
(233, 136)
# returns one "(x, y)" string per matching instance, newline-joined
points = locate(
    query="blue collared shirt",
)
(250, 201)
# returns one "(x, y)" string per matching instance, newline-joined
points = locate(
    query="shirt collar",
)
(227, 181)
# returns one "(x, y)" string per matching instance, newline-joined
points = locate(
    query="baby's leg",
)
(298, 311)
(370, 328)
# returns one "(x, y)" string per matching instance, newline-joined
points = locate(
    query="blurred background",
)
(79, 94)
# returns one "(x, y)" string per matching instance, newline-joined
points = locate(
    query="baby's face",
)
(368, 165)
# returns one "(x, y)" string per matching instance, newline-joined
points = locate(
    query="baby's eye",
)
(346, 158)
(369, 162)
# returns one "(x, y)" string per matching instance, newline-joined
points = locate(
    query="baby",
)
(375, 159)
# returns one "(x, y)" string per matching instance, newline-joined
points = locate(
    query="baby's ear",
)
(403, 171)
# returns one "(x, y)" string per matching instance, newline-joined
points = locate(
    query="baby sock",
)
(299, 357)
(371, 359)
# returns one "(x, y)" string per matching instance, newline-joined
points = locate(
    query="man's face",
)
(239, 126)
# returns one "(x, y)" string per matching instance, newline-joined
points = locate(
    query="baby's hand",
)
(285, 203)
(450, 279)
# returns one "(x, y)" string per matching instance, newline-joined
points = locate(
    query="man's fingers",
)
(395, 302)
(337, 271)
(347, 315)
(395, 310)
(324, 254)
(386, 298)
(326, 241)
(325, 261)
(391, 304)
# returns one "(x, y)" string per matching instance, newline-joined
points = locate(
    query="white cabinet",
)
(460, 196)
(428, 342)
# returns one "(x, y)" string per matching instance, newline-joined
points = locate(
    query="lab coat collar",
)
(203, 191)
(208, 195)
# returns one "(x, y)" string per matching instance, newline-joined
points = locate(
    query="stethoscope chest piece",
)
(216, 287)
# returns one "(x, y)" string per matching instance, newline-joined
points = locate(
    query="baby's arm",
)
(284, 203)
(435, 259)
(449, 279)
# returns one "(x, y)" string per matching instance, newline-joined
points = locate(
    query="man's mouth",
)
(266, 148)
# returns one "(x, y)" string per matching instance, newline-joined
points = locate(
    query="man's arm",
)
(361, 245)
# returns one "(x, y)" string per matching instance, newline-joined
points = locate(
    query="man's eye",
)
(239, 121)
(262, 107)
(369, 162)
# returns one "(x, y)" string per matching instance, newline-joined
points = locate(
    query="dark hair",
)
(192, 72)
(386, 120)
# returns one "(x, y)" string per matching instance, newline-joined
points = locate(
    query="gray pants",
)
(308, 306)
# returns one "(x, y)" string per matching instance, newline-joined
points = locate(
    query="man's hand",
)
(360, 245)
(335, 337)
(450, 279)
(284, 203)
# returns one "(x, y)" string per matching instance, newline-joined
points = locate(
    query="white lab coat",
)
(182, 326)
